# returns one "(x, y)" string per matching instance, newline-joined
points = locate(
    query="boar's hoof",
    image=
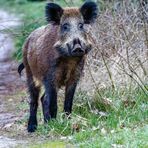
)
(32, 126)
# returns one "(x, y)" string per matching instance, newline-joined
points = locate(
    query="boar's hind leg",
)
(70, 90)
(34, 95)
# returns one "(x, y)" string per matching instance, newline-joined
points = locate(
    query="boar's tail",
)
(20, 68)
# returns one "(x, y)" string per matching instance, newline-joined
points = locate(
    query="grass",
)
(116, 118)
(51, 145)
(123, 124)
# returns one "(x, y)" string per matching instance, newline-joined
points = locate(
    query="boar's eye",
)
(80, 26)
(65, 27)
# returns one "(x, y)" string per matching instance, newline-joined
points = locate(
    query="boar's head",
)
(72, 25)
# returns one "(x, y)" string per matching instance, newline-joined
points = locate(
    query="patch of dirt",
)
(9, 142)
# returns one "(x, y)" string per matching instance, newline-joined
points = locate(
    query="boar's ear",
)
(53, 13)
(89, 10)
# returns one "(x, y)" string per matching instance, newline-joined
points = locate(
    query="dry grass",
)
(120, 55)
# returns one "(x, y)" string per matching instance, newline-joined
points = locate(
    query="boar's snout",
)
(78, 48)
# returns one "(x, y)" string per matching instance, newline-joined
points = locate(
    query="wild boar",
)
(54, 56)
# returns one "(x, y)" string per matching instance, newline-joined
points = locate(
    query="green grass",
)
(51, 145)
(94, 123)
(124, 123)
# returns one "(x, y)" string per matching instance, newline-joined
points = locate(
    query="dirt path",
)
(9, 80)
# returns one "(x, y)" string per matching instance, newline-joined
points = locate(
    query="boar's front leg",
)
(69, 95)
(49, 101)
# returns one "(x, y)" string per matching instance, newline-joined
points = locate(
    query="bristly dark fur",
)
(20, 68)
(53, 13)
(89, 11)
